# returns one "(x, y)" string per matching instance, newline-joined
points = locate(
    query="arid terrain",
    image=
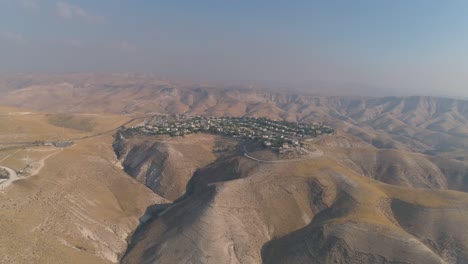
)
(67, 205)
(389, 187)
(422, 124)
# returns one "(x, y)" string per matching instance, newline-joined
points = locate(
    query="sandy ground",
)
(35, 166)
(13, 176)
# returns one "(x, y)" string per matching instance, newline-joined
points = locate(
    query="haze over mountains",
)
(418, 123)
(390, 187)
(238, 132)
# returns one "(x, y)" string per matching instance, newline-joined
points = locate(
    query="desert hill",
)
(389, 187)
(71, 205)
(165, 164)
(397, 167)
(417, 123)
(237, 210)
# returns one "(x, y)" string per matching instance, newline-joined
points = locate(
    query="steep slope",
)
(166, 164)
(411, 238)
(396, 167)
(370, 199)
(240, 211)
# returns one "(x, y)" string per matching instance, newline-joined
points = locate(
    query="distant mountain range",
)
(390, 187)
(423, 124)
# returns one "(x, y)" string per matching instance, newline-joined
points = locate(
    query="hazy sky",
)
(410, 46)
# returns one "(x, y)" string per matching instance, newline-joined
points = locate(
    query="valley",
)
(387, 183)
(240, 210)
(237, 132)
(423, 124)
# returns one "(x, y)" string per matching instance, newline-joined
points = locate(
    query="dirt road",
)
(13, 176)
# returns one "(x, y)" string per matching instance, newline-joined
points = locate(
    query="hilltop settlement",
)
(273, 134)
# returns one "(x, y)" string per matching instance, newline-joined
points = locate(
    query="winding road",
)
(311, 155)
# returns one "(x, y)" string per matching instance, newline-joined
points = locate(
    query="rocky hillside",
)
(397, 167)
(323, 210)
(165, 164)
(390, 187)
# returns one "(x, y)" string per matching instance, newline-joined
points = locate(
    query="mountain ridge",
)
(431, 125)
(390, 187)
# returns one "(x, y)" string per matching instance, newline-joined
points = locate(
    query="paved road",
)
(311, 155)
(12, 178)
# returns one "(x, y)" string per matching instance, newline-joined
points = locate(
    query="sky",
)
(368, 47)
